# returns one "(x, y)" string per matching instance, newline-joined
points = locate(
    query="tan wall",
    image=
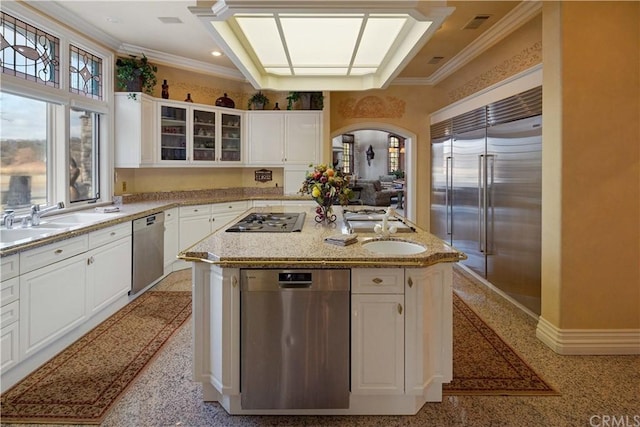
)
(600, 137)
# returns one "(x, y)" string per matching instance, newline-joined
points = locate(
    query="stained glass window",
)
(85, 73)
(29, 52)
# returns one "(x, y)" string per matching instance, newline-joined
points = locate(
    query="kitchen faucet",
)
(383, 229)
(9, 217)
(36, 212)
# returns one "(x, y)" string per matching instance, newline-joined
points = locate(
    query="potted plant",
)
(258, 100)
(136, 75)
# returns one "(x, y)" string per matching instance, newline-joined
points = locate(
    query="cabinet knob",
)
(410, 282)
(399, 308)
(58, 251)
(234, 281)
(377, 280)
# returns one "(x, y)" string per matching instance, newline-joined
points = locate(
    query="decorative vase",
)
(188, 98)
(324, 212)
(165, 90)
(225, 101)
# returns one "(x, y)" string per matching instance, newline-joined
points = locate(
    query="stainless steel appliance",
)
(364, 220)
(294, 339)
(487, 191)
(270, 222)
(148, 251)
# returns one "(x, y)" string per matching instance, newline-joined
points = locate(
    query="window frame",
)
(61, 100)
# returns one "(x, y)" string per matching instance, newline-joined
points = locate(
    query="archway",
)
(411, 140)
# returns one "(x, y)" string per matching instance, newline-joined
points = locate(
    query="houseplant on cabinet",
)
(258, 100)
(136, 75)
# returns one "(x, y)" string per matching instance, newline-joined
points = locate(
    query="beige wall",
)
(593, 279)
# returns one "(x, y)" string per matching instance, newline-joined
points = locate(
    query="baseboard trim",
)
(588, 341)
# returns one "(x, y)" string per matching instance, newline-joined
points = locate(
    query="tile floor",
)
(598, 391)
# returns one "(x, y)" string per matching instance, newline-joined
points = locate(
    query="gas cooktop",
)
(269, 223)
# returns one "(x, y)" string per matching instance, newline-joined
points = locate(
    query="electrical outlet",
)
(124, 185)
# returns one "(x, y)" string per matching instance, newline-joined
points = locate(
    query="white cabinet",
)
(377, 331)
(277, 138)
(9, 312)
(198, 135)
(135, 127)
(197, 222)
(52, 302)
(108, 266)
(171, 238)
(158, 132)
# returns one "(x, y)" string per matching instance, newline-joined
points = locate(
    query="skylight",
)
(320, 45)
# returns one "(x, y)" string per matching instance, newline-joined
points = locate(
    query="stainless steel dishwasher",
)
(294, 339)
(148, 251)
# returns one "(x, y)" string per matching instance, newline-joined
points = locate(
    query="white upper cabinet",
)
(159, 132)
(277, 138)
(135, 121)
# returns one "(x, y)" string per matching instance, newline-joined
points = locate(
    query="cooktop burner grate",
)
(270, 222)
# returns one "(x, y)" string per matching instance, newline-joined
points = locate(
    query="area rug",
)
(80, 384)
(483, 364)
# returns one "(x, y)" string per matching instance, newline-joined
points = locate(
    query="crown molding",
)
(175, 61)
(56, 11)
(517, 17)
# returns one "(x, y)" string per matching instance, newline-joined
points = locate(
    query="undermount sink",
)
(77, 218)
(393, 247)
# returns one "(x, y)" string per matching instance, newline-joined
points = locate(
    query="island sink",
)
(393, 247)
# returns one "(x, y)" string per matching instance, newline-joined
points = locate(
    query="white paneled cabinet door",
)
(171, 238)
(302, 138)
(265, 138)
(108, 274)
(377, 344)
(52, 302)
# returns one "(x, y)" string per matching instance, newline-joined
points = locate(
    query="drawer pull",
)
(113, 233)
(410, 282)
(377, 281)
(58, 251)
(399, 308)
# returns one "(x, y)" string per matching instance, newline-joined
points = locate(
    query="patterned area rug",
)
(483, 364)
(79, 385)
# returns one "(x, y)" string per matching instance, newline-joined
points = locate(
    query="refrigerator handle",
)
(481, 202)
(448, 203)
(490, 165)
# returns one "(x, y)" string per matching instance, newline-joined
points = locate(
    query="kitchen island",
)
(398, 321)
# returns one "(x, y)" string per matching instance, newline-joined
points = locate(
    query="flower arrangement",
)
(326, 185)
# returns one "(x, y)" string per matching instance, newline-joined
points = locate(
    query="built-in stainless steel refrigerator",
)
(487, 189)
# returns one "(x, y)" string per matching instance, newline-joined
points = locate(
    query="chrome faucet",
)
(383, 230)
(37, 211)
(8, 216)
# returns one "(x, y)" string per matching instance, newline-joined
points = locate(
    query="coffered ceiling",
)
(170, 32)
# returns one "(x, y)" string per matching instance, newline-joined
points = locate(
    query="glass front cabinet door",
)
(173, 133)
(230, 146)
(204, 136)
(199, 135)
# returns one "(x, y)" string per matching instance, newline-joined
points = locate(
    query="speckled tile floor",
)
(597, 391)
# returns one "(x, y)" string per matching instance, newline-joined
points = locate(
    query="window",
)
(23, 149)
(83, 143)
(85, 73)
(54, 119)
(396, 154)
(347, 153)
(29, 53)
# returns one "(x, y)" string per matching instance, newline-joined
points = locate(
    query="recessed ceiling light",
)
(170, 20)
(216, 53)
(113, 20)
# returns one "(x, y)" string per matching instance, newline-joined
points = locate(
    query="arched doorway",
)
(410, 158)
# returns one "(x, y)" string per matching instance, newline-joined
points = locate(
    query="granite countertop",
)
(308, 249)
(137, 206)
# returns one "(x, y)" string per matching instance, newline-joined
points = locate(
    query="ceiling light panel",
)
(318, 40)
(262, 34)
(378, 37)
